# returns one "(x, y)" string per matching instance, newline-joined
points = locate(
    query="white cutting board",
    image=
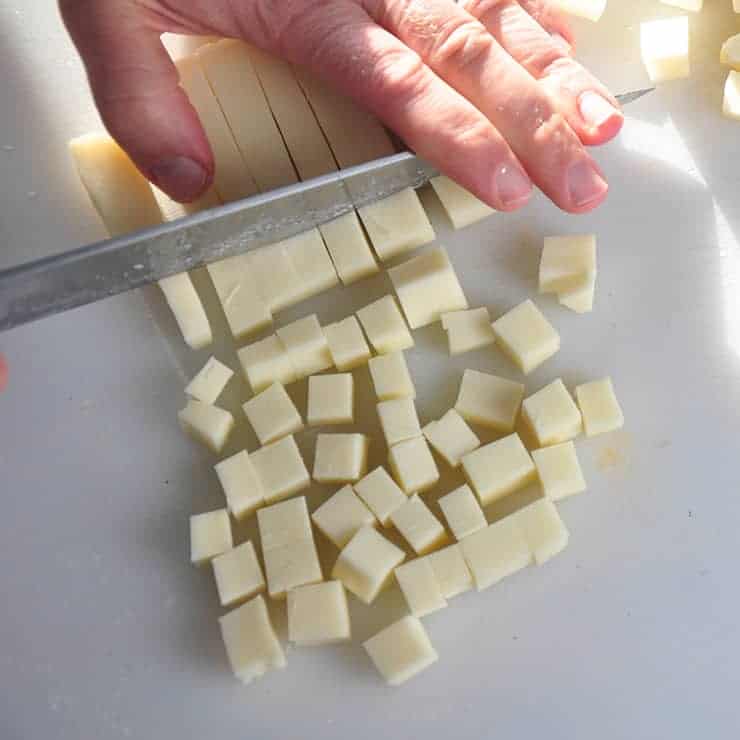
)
(105, 629)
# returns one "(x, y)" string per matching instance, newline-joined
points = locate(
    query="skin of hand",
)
(3, 374)
(487, 90)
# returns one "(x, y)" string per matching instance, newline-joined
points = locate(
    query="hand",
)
(485, 89)
(3, 373)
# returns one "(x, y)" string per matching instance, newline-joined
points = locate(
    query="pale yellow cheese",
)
(348, 247)
(318, 614)
(381, 494)
(451, 570)
(341, 516)
(331, 399)
(582, 299)
(340, 458)
(451, 437)
(308, 255)
(413, 465)
(730, 52)
(461, 206)
(241, 485)
(559, 471)
(391, 377)
(280, 469)
(418, 526)
(238, 575)
(266, 362)
(731, 100)
(463, 512)
(543, 529)
(385, 326)
(209, 382)
(599, 407)
(489, 400)
(398, 420)
(567, 262)
(468, 330)
(306, 345)
(347, 344)
(693, 5)
(591, 10)
(273, 414)
(552, 415)
(187, 308)
(208, 424)
(210, 535)
(420, 587)
(275, 276)
(664, 45)
(284, 523)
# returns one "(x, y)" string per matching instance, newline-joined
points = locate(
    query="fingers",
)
(591, 110)
(461, 50)
(3, 373)
(351, 52)
(551, 18)
(135, 86)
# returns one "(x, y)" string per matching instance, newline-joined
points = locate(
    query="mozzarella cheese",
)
(187, 308)
(468, 330)
(331, 399)
(385, 326)
(398, 420)
(208, 424)
(665, 48)
(272, 414)
(210, 535)
(381, 494)
(451, 571)
(567, 263)
(238, 575)
(241, 485)
(318, 614)
(418, 526)
(543, 529)
(451, 437)
(307, 348)
(390, 376)
(552, 415)
(312, 263)
(413, 465)
(266, 362)
(280, 469)
(599, 406)
(559, 471)
(209, 382)
(463, 512)
(420, 587)
(489, 400)
(461, 207)
(341, 516)
(340, 458)
(347, 344)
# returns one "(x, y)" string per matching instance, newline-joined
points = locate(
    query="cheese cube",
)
(468, 330)
(238, 575)
(280, 469)
(427, 287)
(187, 308)
(347, 344)
(567, 262)
(331, 399)
(419, 527)
(526, 336)
(391, 378)
(307, 347)
(463, 512)
(251, 643)
(380, 494)
(350, 252)
(498, 551)
(399, 420)
(340, 458)
(451, 437)
(341, 516)
(401, 651)
(308, 255)
(241, 484)
(729, 54)
(318, 614)
(273, 414)
(499, 468)
(599, 406)
(451, 571)
(665, 48)
(275, 277)
(210, 535)
(552, 415)
(210, 381)
(413, 465)
(559, 471)
(420, 587)
(284, 523)
(580, 300)
(461, 207)
(208, 424)
(266, 362)
(366, 564)
(731, 101)
(385, 326)
(543, 529)
(591, 10)
(693, 5)
(489, 400)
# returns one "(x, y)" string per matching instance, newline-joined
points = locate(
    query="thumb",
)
(136, 90)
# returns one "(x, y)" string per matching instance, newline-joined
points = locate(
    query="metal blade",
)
(630, 97)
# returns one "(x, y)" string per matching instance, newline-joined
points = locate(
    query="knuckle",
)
(459, 44)
(541, 57)
(481, 8)
(399, 75)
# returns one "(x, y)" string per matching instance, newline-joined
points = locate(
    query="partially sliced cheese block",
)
(552, 415)
(347, 344)
(318, 614)
(398, 420)
(463, 512)
(420, 587)
(208, 424)
(427, 287)
(468, 330)
(266, 362)
(340, 458)
(418, 526)
(331, 399)
(275, 276)
(730, 52)
(599, 407)
(273, 414)
(241, 485)
(308, 255)
(731, 101)
(280, 469)
(391, 377)
(567, 263)
(210, 535)
(461, 206)
(489, 400)
(385, 326)
(238, 575)
(559, 471)
(209, 382)
(451, 437)
(665, 48)
(381, 494)
(543, 529)
(341, 516)
(413, 465)
(307, 347)
(591, 10)
(451, 571)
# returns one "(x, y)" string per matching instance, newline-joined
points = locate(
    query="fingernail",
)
(596, 110)
(585, 184)
(181, 178)
(561, 43)
(513, 186)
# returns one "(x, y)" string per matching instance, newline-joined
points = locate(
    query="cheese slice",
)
(461, 206)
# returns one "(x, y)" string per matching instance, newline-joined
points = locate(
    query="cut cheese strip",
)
(349, 249)
(186, 307)
(307, 252)
(275, 276)
(461, 206)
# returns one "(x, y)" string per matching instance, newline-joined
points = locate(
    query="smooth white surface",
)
(108, 632)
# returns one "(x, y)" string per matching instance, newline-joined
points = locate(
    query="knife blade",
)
(44, 287)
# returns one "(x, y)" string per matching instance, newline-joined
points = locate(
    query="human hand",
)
(3, 373)
(485, 89)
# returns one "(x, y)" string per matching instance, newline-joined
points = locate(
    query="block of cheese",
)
(398, 420)
(273, 414)
(489, 400)
(567, 262)
(498, 469)
(280, 469)
(664, 45)
(729, 54)
(350, 252)
(340, 458)
(307, 347)
(468, 330)
(451, 437)
(251, 643)
(413, 465)
(731, 100)
(543, 529)
(331, 399)
(559, 471)
(599, 407)
(238, 575)
(308, 255)
(209, 382)
(526, 336)
(498, 551)
(318, 614)
(208, 424)
(401, 651)
(384, 326)
(187, 308)
(275, 276)
(391, 377)
(418, 526)
(347, 344)
(461, 206)
(552, 415)
(591, 10)
(210, 535)
(427, 287)
(366, 564)
(381, 494)
(463, 512)
(241, 485)
(580, 300)
(420, 587)
(341, 516)
(692, 5)
(284, 523)
(266, 362)
(451, 571)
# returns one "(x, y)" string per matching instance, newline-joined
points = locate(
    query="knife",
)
(54, 284)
